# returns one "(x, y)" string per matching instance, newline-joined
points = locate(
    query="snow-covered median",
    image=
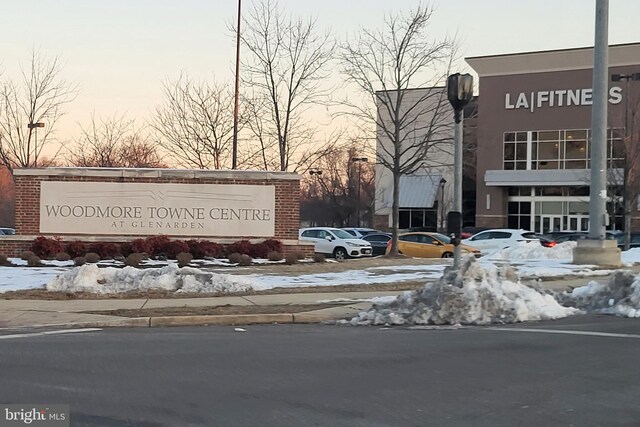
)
(475, 295)
(620, 296)
(91, 278)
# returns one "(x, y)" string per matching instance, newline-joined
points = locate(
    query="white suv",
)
(489, 240)
(335, 242)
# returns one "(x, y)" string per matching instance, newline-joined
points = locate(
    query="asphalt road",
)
(334, 375)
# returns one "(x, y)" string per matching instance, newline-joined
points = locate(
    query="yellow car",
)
(429, 245)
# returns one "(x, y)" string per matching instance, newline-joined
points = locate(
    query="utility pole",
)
(234, 155)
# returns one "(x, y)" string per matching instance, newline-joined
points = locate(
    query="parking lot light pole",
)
(359, 160)
(35, 127)
(459, 93)
(442, 183)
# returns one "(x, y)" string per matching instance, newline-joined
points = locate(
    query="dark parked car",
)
(469, 231)
(546, 241)
(378, 242)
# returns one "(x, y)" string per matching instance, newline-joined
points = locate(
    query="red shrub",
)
(259, 250)
(204, 248)
(47, 247)
(126, 249)
(174, 247)
(76, 249)
(105, 250)
(158, 244)
(242, 247)
(273, 245)
(141, 246)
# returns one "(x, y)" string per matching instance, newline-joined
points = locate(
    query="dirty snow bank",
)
(91, 278)
(534, 250)
(474, 295)
(620, 296)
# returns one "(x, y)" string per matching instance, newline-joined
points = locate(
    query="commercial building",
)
(533, 147)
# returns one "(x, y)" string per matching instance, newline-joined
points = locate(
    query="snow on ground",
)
(548, 262)
(619, 296)
(632, 256)
(474, 295)
(527, 251)
(19, 278)
(91, 278)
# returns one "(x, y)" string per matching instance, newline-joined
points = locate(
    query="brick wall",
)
(28, 181)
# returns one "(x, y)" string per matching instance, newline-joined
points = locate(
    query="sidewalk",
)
(42, 313)
(72, 313)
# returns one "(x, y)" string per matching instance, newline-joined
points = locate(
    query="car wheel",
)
(340, 254)
(447, 255)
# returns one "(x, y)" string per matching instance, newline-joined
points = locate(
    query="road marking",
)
(39, 334)
(568, 332)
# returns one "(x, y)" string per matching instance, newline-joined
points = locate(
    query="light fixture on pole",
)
(359, 160)
(626, 202)
(35, 127)
(442, 183)
(459, 93)
(315, 172)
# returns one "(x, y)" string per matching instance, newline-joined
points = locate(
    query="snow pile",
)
(534, 250)
(474, 295)
(620, 296)
(91, 278)
(632, 256)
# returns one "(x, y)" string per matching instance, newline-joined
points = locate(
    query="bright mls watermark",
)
(34, 415)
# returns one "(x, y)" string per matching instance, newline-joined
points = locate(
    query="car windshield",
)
(443, 238)
(341, 234)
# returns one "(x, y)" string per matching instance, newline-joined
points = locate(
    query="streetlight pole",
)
(35, 127)
(359, 160)
(596, 249)
(442, 183)
(234, 155)
(626, 202)
(459, 93)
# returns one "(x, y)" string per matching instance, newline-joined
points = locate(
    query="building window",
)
(414, 218)
(515, 150)
(519, 215)
(558, 149)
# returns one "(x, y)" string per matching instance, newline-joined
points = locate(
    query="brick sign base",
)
(231, 206)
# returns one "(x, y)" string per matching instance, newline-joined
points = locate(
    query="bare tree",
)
(39, 97)
(413, 127)
(284, 70)
(195, 123)
(338, 189)
(113, 142)
(624, 167)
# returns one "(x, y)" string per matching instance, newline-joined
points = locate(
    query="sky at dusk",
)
(120, 51)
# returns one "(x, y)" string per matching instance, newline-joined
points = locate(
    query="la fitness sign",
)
(109, 208)
(556, 98)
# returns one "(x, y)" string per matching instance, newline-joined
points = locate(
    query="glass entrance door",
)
(550, 223)
(578, 223)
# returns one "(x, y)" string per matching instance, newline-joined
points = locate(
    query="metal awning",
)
(419, 191)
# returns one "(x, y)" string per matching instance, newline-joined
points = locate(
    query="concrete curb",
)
(202, 320)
